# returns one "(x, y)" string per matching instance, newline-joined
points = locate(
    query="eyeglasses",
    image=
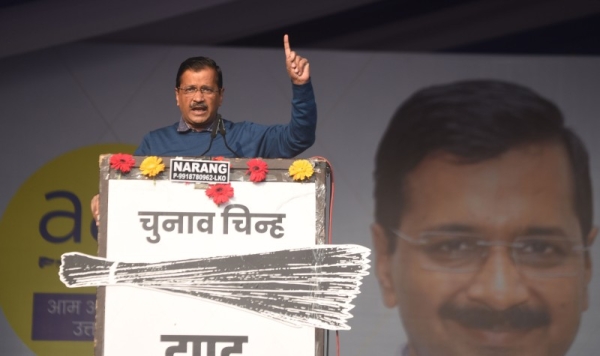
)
(534, 256)
(189, 91)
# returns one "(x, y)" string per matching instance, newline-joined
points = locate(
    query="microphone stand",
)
(221, 126)
(213, 134)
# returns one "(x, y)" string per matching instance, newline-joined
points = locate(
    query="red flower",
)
(218, 158)
(220, 192)
(122, 162)
(258, 169)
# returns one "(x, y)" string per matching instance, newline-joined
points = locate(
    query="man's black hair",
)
(198, 63)
(473, 120)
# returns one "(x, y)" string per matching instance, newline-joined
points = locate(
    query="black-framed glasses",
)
(192, 90)
(535, 256)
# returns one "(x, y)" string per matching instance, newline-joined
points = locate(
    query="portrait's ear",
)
(592, 236)
(590, 241)
(383, 264)
(588, 265)
(176, 97)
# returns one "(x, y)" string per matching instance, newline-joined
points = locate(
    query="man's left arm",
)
(286, 141)
(302, 127)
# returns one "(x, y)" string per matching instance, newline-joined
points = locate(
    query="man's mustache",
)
(200, 105)
(517, 318)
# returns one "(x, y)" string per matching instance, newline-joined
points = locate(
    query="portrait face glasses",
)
(544, 256)
(190, 91)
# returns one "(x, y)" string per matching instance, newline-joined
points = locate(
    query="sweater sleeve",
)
(287, 141)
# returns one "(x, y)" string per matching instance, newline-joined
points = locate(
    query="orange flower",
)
(220, 192)
(122, 162)
(258, 169)
(218, 158)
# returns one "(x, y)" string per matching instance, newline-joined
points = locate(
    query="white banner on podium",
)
(155, 220)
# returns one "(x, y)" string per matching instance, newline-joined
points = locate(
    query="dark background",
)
(547, 27)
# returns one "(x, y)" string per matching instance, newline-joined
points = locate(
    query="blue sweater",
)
(246, 138)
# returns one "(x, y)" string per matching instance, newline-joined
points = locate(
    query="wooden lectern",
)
(151, 220)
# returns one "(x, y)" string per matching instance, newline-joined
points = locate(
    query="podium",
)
(157, 219)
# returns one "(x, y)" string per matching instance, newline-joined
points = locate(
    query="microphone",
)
(213, 133)
(221, 126)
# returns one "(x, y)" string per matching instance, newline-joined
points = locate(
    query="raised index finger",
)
(286, 45)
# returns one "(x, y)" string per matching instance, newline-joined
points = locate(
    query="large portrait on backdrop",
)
(483, 222)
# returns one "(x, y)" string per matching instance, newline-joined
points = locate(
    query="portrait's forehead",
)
(526, 186)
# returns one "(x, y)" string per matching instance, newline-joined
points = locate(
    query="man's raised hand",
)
(297, 67)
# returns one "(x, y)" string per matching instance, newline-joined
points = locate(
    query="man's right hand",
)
(95, 206)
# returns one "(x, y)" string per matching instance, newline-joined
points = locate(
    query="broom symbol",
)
(302, 287)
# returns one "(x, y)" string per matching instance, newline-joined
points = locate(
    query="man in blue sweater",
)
(201, 130)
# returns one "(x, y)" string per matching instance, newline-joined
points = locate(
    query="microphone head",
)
(221, 126)
(215, 126)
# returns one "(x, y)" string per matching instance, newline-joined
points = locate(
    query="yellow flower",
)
(301, 169)
(151, 166)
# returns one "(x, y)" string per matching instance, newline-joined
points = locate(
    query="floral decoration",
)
(301, 169)
(152, 166)
(122, 162)
(257, 169)
(220, 192)
(218, 158)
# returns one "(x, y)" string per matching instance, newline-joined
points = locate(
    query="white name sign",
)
(199, 171)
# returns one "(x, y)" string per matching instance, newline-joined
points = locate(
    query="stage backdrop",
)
(63, 106)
